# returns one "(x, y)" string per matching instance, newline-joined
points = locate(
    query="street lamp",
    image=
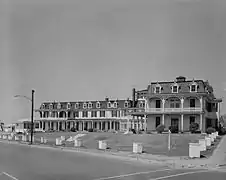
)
(32, 111)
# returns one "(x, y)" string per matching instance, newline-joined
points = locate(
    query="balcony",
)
(174, 110)
(136, 111)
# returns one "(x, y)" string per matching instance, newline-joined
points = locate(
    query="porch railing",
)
(165, 110)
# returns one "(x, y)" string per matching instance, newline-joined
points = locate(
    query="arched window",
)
(84, 105)
(98, 105)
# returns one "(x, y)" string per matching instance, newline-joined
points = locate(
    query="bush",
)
(73, 129)
(133, 131)
(194, 127)
(174, 129)
(90, 130)
(160, 128)
(210, 130)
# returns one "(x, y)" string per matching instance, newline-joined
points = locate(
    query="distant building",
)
(179, 103)
(84, 115)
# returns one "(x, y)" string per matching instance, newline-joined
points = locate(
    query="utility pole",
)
(32, 116)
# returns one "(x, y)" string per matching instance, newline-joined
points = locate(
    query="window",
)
(84, 105)
(126, 104)
(192, 103)
(174, 103)
(157, 121)
(157, 104)
(98, 105)
(58, 106)
(157, 90)
(113, 113)
(76, 105)
(85, 114)
(141, 104)
(93, 114)
(192, 119)
(102, 113)
(76, 114)
(193, 88)
(43, 106)
(51, 106)
(175, 89)
(115, 104)
(90, 105)
(68, 105)
(109, 105)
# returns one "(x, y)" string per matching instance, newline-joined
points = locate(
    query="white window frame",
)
(98, 105)
(43, 106)
(84, 105)
(141, 104)
(51, 106)
(76, 105)
(90, 105)
(115, 105)
(59, 106)
(172, 87)
(196, 87)
(160, 88)
(68, 105)
(109, 105)
(126, 104)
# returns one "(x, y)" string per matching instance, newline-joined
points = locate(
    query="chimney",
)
(134, 96)
(106, 99)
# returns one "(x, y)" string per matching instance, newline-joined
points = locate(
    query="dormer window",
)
(76, 105)
(157, 88)
(90, 105)
(98, 105)
(141, 105)
(84, 105)
(109, 104)
(175, 88)
(126, 105)
(43, 106)
(68, 105)
(115, 104)
(51, 106)
(58, 106)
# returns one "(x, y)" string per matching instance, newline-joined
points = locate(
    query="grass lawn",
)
(153, 143)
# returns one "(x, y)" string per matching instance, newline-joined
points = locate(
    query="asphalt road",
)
(23, 162)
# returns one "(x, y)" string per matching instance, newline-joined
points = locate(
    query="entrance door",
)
(175, 122)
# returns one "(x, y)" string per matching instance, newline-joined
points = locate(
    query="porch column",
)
(50, 114)
(201, 102)
(163, 119)
(200, 123)
(182, 122)
(58, 114)
(182, 103)
(163, 104)
(83, 125)
(110, 125)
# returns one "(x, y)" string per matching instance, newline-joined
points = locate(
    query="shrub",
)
(174, 129)
(222, 131)
(160, 128)
(194, 127)
(210, 130)
(73, 129)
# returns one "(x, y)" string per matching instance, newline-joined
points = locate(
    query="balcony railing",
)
(165, 110)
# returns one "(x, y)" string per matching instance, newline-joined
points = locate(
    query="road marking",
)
(132, 174)
(179, 174)
(14, 178)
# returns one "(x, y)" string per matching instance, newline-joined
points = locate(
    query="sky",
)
(70, 50)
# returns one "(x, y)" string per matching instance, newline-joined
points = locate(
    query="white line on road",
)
(14, 178)
(179, 174)
(133, 174)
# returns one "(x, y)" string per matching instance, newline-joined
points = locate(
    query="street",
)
(23, 162)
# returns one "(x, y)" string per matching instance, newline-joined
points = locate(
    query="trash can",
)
(208, 141)
(194, 150)
(62, 138)
(25, 138)
(10, 137)
(202, 143)
(211, 138)
(137, 148)
(4, 136)
(17, 138)
(102, 144)
(58, 141)
(77, 142)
